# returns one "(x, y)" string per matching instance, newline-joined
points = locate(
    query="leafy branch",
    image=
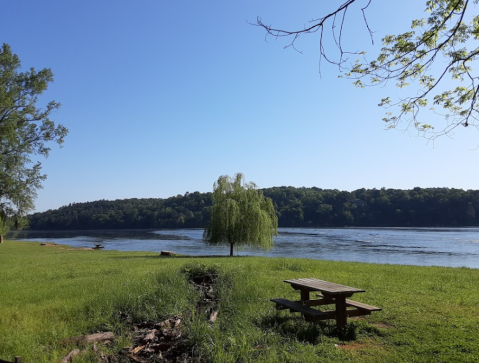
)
(447, 36)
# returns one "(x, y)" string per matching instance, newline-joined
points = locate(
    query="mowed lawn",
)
(51, 293)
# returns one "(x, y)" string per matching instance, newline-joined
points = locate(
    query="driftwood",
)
(98, 337)
(158, 341)
(69, 357)
(213, 316)
(86, 339)
(89, 339)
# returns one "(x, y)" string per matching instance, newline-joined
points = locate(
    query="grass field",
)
(49, 294)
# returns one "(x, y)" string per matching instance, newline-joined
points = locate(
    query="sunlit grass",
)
(49, 294)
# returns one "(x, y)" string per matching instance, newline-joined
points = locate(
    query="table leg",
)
(341, 317)
(304, 296)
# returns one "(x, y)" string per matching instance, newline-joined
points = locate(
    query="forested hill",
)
(296, 207)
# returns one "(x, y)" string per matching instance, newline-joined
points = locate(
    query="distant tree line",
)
(295, 207)
(191, 210)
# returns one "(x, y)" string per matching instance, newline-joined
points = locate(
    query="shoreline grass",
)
(49, 294)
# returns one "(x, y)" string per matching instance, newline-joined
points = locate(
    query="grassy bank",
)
(49, 294)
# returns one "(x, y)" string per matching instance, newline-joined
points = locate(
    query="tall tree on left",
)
(25, 130)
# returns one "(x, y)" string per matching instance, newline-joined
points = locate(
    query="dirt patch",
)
(152, 342)
(353, 346)
(382, 325)
(377, 325)
(155, 343)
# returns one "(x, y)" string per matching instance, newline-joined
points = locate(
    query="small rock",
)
(167, 253)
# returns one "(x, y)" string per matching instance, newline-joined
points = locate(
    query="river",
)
(452, 247)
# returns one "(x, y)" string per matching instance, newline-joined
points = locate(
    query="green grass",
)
(48, 294)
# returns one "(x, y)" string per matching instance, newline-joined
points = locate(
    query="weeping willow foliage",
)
(241, 215)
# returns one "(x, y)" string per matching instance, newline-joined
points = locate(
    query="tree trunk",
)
(1, 238)
(231, 249)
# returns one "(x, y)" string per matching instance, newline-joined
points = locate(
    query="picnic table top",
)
(327, 287)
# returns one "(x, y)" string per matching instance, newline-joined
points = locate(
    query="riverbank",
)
(50, 294)
(447, 247)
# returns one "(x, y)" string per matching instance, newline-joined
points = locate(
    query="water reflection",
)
(452, 247)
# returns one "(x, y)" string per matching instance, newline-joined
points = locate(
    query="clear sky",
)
(162, 97)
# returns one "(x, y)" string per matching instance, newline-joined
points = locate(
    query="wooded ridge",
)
(295, 207)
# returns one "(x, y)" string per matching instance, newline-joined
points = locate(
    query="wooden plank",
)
(304, 295)
(361, 305)
(298, 307)
(304, 309)
(331, 288)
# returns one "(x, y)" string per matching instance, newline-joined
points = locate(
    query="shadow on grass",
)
(294, 326)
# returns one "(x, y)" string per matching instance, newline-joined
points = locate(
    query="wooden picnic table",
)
(331, 294)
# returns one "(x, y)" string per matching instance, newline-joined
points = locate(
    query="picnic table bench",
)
(331, 293)
(16, 360)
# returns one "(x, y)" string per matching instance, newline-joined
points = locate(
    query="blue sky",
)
(162, 97)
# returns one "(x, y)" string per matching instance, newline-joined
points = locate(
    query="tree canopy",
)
(437, 53)
(240, 215)
(295, 207)
(25, 130)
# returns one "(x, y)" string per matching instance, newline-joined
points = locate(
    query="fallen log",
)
(98, 337)
(69, 357)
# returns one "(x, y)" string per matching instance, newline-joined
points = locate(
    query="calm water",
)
(452, 247)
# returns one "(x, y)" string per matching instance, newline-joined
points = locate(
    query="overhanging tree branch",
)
(408, 58)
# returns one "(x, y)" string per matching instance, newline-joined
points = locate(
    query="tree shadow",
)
(294, 326)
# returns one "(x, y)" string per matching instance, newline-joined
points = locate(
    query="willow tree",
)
(241, 215)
